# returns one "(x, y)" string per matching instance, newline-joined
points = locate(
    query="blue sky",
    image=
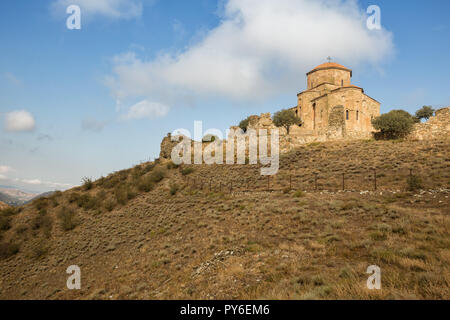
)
(101, 98)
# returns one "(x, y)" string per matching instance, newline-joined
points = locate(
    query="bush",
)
(393, 125)
(87, 183)
(8, 212)
(73, 197)
(88, 202)
(40, 203)
(171, 165)
(174, 189)
(111, 182)
(67, 218)
(123, 194)
(299, 194)
(110, 205)
(5, 223)
(426, 112)
(286, 118)
(209, 138)
(157, 175)
(146, 184)
(244, 124)
(44, 222)
(8, 249)
(414, 183)
(187, 171)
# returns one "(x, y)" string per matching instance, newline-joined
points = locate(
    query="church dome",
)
(330, 65)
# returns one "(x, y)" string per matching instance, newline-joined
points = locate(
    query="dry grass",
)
(212, 244)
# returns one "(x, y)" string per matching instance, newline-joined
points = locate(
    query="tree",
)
(394, 124)
(286, 118)
(426, 112)
(244, 124)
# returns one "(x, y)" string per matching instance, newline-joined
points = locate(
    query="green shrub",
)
(110, 205)
(73, 197)
(101, 195)
(286, 118)
(10, 211)
(123, 194)
(145, 184)
(299, 194)
(8, 249)
(426, 112)
(186, 171)
(40, 203)
(87, 183)
(393, 125)
(244, 124)
(174, 189)
(137, 172)
(171, 165)
(67, 218)
(42, 221)
(88, 202)
(111, 182)
(414, 183)
(209, 138)
(157, 175)
(5, 223)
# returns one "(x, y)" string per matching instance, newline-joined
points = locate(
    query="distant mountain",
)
(15, 197)
(42, 195)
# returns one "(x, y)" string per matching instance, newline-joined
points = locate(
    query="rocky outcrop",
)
(437, 127)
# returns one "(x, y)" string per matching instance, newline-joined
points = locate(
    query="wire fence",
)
(316, 181)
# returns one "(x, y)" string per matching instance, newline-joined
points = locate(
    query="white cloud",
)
(5, 169)
(32, 181)
(19, 121)
(37, 182)
(260, 49)
(117, 9)
(146, 109)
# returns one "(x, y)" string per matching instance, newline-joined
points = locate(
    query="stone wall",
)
(437, 127)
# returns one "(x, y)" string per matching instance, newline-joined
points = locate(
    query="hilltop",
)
(160, 231)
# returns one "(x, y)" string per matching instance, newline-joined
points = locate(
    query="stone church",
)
(332, 107)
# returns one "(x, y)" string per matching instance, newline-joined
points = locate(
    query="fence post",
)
(290, 182)
(268, 183)
(375, 178)
(210, 185)
(315, 180)
(220, 186)
(231, 187)
(343, 181)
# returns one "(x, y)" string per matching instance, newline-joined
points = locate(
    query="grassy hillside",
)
(158, 231)
(3, 205)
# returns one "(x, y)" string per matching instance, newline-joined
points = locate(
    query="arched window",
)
(314, 115)
(357, 115)
(342, 83)
(346, 115)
